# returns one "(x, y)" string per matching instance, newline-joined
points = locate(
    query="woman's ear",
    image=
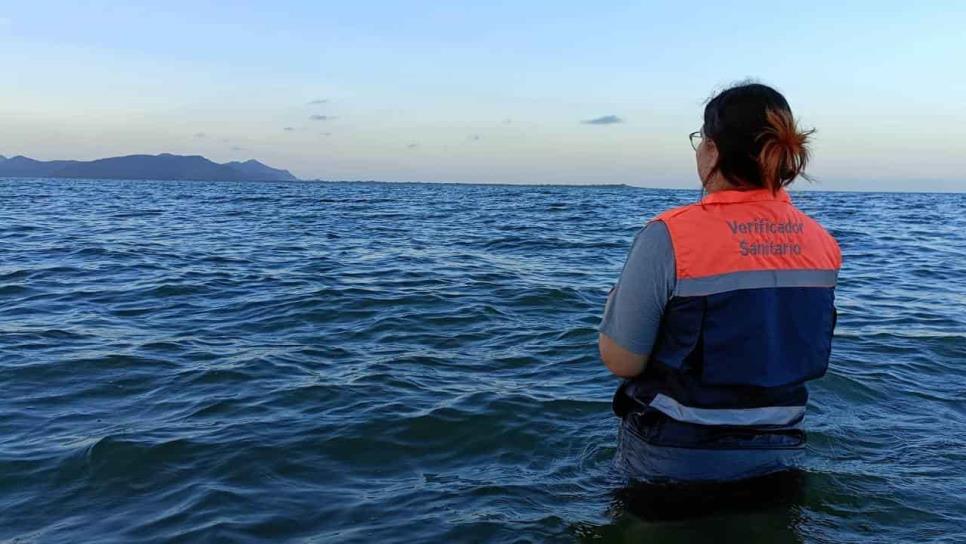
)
(707, 159)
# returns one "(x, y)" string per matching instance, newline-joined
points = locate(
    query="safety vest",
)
(750, 320)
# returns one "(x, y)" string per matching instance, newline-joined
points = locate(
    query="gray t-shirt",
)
(634, 306)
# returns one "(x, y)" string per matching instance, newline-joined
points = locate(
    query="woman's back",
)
(740, 317)
(749, 321)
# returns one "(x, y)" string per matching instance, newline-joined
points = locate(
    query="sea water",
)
(192, 361)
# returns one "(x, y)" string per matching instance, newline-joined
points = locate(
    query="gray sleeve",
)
(634, 306)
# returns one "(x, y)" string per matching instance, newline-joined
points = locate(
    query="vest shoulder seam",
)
(673, 212)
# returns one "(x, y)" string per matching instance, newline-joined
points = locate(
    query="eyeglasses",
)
(695, 138)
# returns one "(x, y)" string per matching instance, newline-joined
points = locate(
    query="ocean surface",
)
(368, 362)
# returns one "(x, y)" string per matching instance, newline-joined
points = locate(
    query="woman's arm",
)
(632, 314)
(621, 362)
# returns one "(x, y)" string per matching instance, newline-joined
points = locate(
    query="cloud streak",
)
(318, 102)
(603, 120)
(318, 117)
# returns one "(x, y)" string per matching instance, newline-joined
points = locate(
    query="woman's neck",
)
(718, 183)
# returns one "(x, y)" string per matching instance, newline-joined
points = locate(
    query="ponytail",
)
(758, 142)
(784, 149)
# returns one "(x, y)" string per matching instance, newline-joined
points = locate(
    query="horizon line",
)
(504, 183)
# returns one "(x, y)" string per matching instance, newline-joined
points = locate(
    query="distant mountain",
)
(163, 166)
(257, 170)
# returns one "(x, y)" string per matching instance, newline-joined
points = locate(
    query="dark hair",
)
(758, 141)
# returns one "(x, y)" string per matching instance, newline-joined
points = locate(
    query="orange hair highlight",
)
(784, 153)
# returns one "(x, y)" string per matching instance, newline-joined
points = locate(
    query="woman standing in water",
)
(724, 308)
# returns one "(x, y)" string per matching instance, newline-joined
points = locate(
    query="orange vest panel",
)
(736, 231)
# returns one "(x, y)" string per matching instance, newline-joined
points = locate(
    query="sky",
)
(496, 92)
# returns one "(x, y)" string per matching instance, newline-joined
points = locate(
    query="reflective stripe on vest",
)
(768, 415)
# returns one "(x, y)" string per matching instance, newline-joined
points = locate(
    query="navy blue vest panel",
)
(679, 337)
(768, 337)
(740, 349)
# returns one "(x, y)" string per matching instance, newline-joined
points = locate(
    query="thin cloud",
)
(325, 134)
(200, 135)
(507, 121)
(474, 138)
(288, 129)
(412, 146)
(318, 117)
(604, 120)
(318, 102)
(236, 148)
